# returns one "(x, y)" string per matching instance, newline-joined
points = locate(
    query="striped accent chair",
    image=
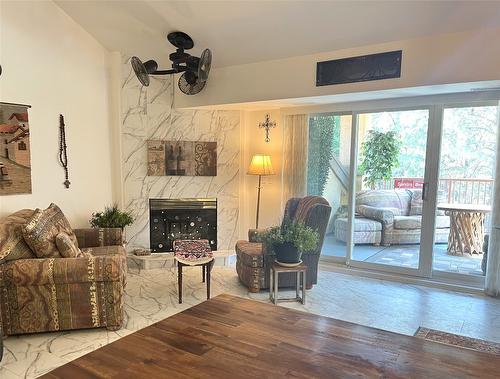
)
(253, 260)
(55, 293)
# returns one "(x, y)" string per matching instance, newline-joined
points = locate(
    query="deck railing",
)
(456, 190)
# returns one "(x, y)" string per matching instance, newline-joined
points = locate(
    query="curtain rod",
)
(15, 104)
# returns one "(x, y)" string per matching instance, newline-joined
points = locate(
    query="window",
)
(21, 145)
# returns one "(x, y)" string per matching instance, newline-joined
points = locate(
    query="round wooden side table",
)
(466, 227)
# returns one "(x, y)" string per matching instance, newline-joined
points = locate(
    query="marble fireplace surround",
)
(148, 113)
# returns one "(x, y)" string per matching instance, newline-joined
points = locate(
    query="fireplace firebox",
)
(173, 219)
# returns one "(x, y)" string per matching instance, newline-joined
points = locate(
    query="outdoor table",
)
(466, 227)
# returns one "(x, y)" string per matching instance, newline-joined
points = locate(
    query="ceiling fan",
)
(195, 70)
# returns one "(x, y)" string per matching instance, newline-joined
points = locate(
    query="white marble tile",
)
(7, 374)
(35, 364)
(147, 113)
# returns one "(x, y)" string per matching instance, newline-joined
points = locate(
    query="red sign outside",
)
(408, 183)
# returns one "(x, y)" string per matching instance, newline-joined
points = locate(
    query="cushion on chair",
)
(42, 228)
(67, 247)
(417, 203)
(407, 222)
(399, 199)
(415, 222)
(361, 224)
(192, 252)
(12, 244)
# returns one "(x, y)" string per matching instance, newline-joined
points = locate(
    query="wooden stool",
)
(276, 269)
(206, 270)
(194, 253)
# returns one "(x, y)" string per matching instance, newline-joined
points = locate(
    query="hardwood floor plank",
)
(231, 337)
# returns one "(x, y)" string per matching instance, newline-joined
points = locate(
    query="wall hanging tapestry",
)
(182, 158)
(15, 160)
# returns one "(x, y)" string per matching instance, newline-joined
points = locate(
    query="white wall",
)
(437, 60)
(51, 63)
(254, 143)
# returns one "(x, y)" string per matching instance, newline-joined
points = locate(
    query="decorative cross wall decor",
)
(267, 125)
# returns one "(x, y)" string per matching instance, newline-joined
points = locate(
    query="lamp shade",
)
(261, 165)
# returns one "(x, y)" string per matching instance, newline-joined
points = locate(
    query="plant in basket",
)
(290, 240)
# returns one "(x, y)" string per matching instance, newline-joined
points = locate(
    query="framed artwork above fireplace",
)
(182, 158)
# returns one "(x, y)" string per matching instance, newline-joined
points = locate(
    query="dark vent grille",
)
(359, 69)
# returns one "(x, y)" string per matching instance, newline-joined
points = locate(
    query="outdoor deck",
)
(406, 256)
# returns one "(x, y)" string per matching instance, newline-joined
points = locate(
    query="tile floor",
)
(151, 296)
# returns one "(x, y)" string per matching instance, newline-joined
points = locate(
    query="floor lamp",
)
(261, 166)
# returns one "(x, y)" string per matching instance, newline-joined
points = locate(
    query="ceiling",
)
(240, 32)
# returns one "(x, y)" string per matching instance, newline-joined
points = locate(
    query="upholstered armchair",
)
(254, 260)
(57, 293)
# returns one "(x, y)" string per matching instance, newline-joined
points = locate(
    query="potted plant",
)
(112, 217)
(380, 154)
(290, 240)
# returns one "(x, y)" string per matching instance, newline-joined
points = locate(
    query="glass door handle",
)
(424, 190)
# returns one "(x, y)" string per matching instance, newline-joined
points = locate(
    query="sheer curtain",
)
(492, 286)
(295, 138)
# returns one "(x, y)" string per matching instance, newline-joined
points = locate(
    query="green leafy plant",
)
(380, 155)
(301, 236)
(111, 217)
(324, 143)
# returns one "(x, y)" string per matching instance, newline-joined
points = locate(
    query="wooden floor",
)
(231, 337)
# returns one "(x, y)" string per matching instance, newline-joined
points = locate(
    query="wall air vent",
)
(359, 69)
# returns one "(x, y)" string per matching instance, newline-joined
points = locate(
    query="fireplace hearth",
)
(173, 219)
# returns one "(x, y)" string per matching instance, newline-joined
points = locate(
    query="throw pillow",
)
(67, 247)
(416, 204)
(42, 228)
(12, 244)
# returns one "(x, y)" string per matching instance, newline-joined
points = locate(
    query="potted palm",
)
(289, 241)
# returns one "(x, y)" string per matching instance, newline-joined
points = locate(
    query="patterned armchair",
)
(253, 260)
(52, 294)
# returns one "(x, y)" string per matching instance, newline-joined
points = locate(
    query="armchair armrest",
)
(384, 215)
(41, 272)
(93, 237)
(256, 235)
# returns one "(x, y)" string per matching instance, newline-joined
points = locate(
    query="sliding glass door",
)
(465, 189)
(388, 181)
(410, 188)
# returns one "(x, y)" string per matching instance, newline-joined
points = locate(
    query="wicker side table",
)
(300, 270)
